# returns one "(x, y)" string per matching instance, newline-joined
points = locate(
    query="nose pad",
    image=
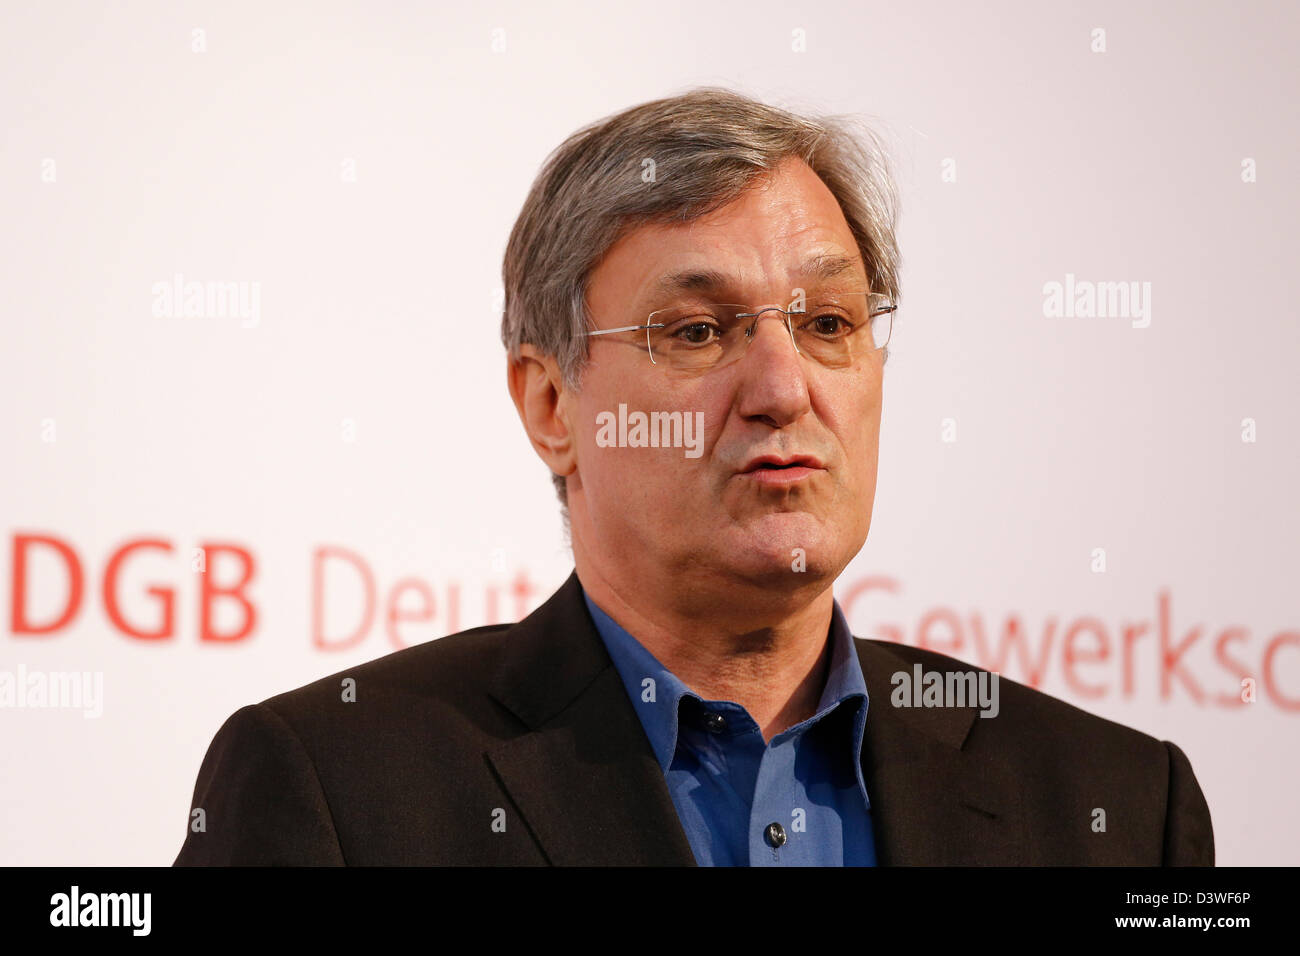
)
(752, 331)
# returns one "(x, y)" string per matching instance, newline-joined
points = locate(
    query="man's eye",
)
(697, 333)
(829, 325)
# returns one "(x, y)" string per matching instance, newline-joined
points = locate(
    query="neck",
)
(772, 659)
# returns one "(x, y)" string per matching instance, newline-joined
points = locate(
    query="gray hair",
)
(705, 148)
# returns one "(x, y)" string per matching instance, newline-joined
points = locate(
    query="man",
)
(699, 298)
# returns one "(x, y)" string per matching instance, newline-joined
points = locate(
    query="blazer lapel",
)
(932, 803)
(583, 778)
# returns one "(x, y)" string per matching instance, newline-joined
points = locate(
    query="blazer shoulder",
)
(286, 781)
(260, 799)
(1029, 711)
(455, 668)
(1068, 761)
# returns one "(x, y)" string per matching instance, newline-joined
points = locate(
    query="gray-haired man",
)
(700, 294)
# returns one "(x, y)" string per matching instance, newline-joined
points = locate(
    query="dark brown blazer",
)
(517, 745)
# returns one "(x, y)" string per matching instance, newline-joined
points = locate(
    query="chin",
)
(772, 545)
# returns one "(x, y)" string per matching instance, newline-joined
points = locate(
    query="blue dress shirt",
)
(798, 800)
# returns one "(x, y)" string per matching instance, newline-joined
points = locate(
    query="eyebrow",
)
(712, 281)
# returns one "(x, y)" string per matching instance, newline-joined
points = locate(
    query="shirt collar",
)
(656, 692)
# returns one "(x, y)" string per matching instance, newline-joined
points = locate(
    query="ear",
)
(544, 406)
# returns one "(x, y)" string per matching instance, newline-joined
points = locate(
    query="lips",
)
(779, 463)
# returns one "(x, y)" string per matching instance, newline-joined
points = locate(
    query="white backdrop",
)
(355, 169)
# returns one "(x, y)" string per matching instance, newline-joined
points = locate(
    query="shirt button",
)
(774, 835)
(715, 723)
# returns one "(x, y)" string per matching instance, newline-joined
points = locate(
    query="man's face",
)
(657, 512)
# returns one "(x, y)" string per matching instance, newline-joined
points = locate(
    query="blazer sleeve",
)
(1189, 835)
(262, 801)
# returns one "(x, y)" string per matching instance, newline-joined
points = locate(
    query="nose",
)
(772, 385)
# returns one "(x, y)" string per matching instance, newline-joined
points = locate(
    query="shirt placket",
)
(772, 840)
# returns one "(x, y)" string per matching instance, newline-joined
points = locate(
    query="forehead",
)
(787, 230)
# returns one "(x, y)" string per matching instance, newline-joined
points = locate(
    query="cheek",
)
(626, 471)
(857, 424)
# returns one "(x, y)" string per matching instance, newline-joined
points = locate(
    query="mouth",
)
(775, 470)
